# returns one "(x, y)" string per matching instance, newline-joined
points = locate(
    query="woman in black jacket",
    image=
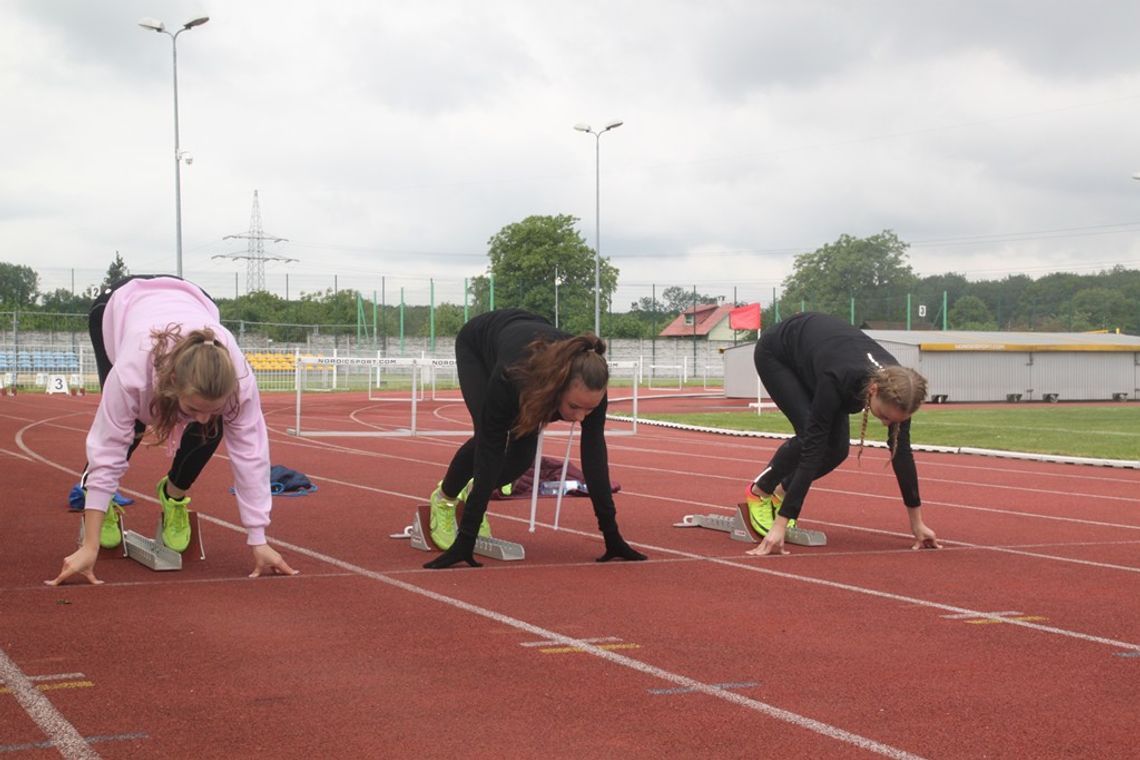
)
(517, 372)
(819, 370)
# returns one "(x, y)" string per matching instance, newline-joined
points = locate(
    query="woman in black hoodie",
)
(819, 370)
(517, 373)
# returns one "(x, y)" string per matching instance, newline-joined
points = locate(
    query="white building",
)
(992, 366)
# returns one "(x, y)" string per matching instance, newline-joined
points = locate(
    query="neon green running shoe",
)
(484, 527)
(776, 503)
(443, 528)
(175, 519)
(760, 511)
(111, 534)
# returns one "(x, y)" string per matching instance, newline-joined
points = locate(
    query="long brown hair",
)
(901, 387)
(549, 369)
(195, 365)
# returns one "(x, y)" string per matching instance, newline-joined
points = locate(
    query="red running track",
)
(1020, 639)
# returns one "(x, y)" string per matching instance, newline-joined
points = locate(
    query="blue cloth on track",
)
(286, 482)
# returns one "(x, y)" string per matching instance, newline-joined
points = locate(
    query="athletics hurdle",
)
(436, 367)
(417, 368)
(632, 419)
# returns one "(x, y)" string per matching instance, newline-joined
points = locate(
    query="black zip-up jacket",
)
(833, 361)
(501, 338)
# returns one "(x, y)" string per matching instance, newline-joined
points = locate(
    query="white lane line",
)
(60, 732)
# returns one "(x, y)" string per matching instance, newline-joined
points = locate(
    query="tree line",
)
(866, 280)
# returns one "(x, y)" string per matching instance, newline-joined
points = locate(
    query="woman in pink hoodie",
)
(168, 366)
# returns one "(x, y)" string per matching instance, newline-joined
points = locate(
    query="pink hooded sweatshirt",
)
(134, 310)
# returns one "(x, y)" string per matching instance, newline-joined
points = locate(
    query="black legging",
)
(196, 447)
(474, 376)
(794, 400)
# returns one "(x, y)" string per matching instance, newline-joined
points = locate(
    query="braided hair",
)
(900, 387)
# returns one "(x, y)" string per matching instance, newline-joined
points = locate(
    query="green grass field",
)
(1103, 432)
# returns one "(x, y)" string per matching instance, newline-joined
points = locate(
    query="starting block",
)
(153, 553)
(420, 535)
(739, 528)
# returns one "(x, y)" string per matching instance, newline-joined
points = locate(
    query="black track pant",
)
(474, 376)
(794, 400)
(196, 447)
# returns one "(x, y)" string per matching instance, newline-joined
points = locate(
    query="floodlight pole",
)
(597, 217)
(160, 27)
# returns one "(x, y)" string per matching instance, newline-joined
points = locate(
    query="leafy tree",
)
(970, 313)
(1099, 309)
(1001, 297)
(448, 318)
(1045, 304)
(677, 299)
(479, 290)
(828, 278)
(63, 301)
(19, 285)
(527, 256)
(116, 271)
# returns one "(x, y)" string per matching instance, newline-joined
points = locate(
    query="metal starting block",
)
(420, 536)
(739, 528)
(153, 553)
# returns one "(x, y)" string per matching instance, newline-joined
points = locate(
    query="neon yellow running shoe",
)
(776, 504)
(443, 527)
(175, 519)
(484, 527)
(760, 511)
(111, 534)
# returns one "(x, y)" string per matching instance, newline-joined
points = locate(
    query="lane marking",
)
(57, 677)
(990, 621)
(88, 739)
(740, 685)
(995, 617)
(56, 686)
(16, 455)
(1009, 613)
(595, 640)
(61, 734)
(607, 647)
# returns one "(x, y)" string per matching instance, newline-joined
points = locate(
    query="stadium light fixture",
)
(158, 26)
(582, 127)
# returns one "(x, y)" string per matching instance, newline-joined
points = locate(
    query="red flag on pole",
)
(745, 317)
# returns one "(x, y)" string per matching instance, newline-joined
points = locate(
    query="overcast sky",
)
(393, 139)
